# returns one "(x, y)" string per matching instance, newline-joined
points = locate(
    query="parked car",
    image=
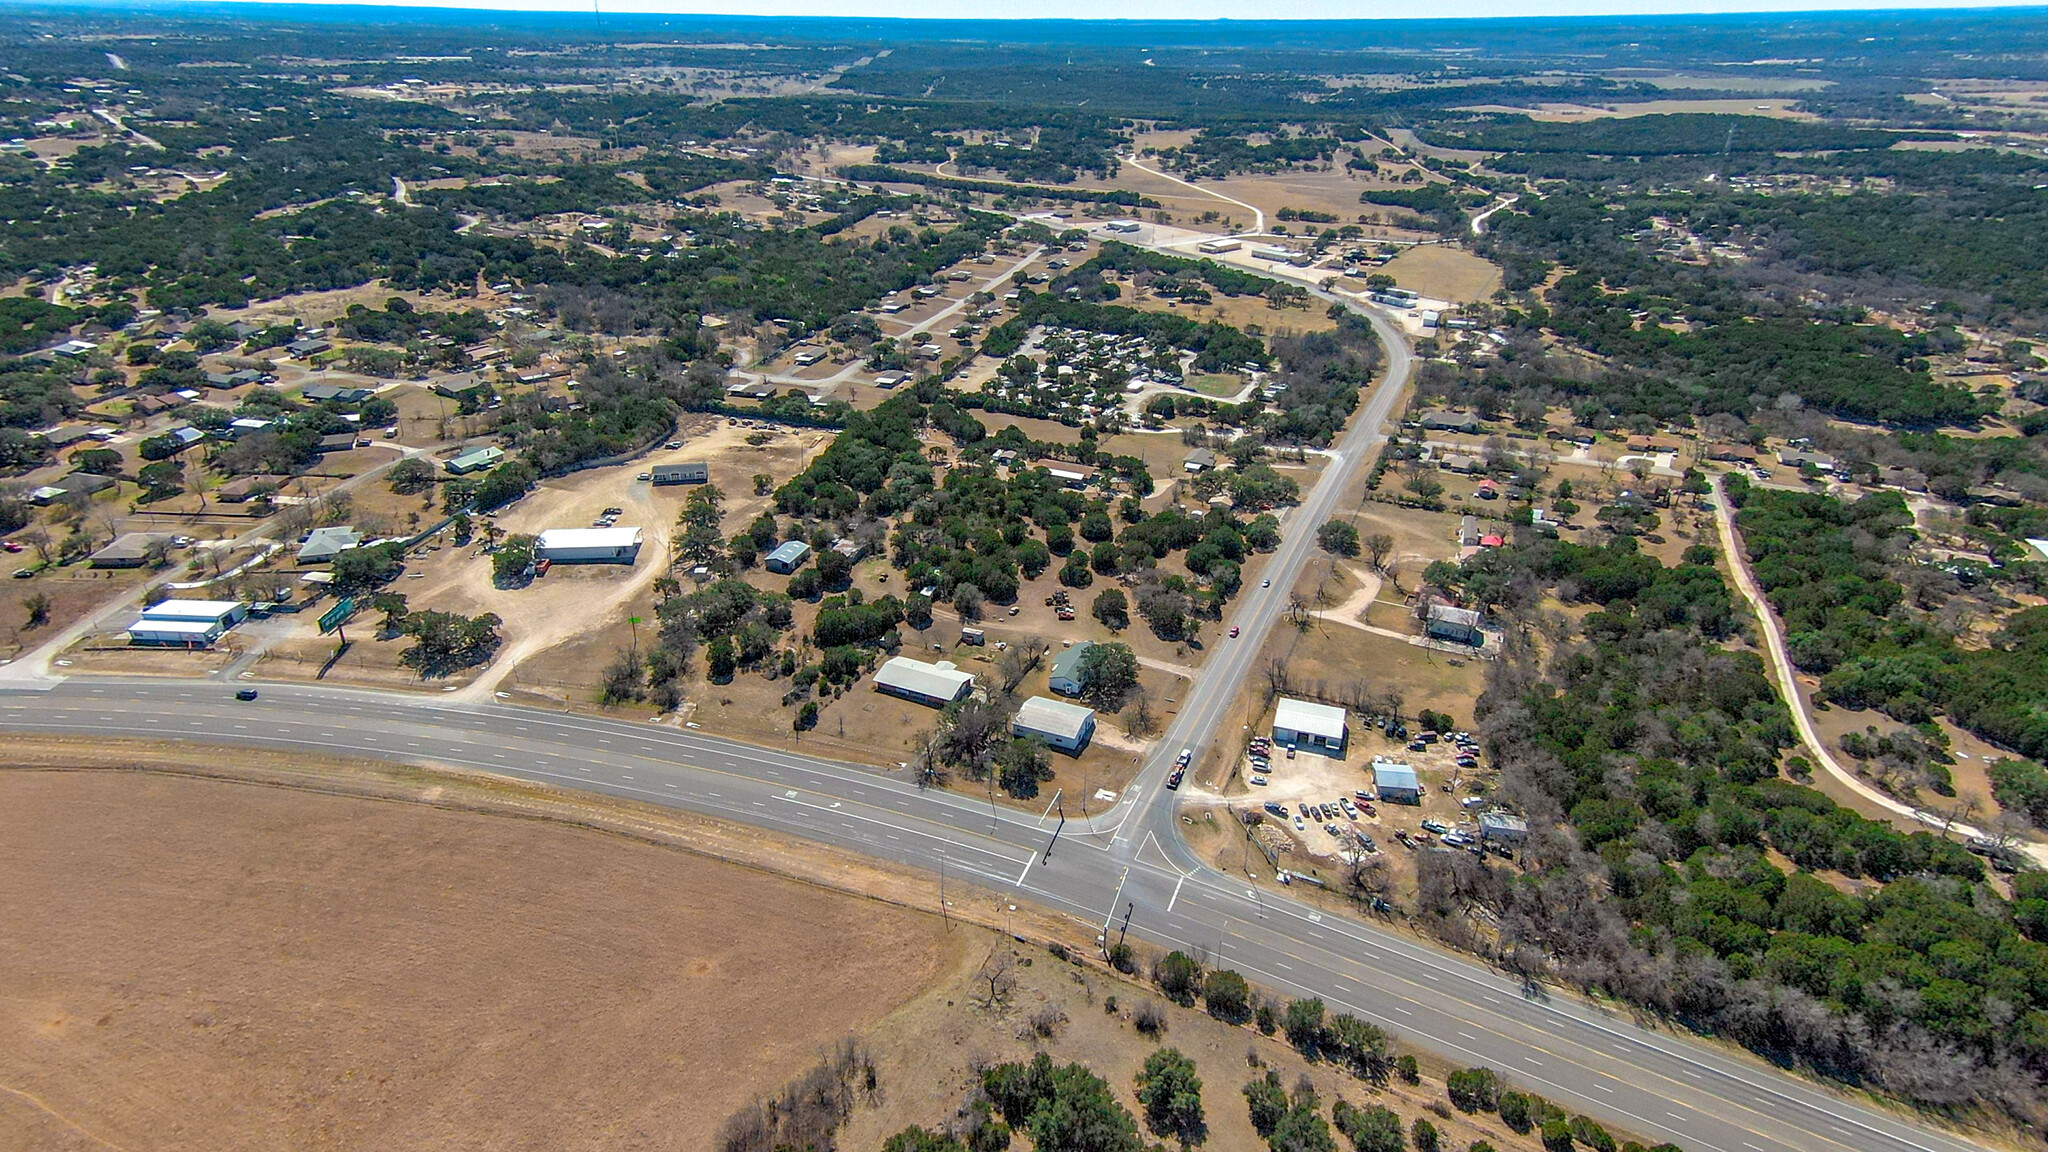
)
(1456, 839)
(10, 545)
(1436, 826)
(1259, 780)
(1276, 809)
(1298, 825)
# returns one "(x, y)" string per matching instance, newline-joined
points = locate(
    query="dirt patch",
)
(278, 967)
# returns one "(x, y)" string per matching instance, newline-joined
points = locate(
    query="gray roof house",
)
(324, 544)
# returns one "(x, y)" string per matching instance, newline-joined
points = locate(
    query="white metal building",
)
(1301, 724)
(175, 633)
(588, 545)
(934, 684)
(227, 613)
(1067, 727)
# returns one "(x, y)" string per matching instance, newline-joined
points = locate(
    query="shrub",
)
(1179, 976)
(1474, 1089)
(1406, 1069)
(1557, 1135)
(1514, 1111)
(1227, 996)
(1425, 1136)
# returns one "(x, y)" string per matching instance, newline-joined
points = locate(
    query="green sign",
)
(338, 615)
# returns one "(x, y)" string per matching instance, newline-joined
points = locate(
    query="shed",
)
(588, 545)
(131, 550)
(474, 460)
(788, 556)
(1396, 783)
(1299, 723)
(1065, 677)
(1502, 828)
(324, 544)
(175, 633)
(699, 473)
(934, 684)
(1067, 727)
(1459, 625)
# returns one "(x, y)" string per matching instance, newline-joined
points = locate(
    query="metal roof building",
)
(694, 473)
(1067, 727)
(934, 684)
(474, 460)
(225, 612)
(1300, 723)
(1396, 783)
(175, 633)
(588, 545)
(788, 556)
(1502, 828)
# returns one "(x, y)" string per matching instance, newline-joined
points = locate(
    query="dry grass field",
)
(1442, 273)
(208, 965)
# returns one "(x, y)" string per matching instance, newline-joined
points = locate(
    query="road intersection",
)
(1127, 864)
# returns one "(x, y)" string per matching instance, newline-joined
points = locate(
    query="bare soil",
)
(200, 964)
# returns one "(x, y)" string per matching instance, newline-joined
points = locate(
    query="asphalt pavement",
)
(1584, 1058)
(1124, 869)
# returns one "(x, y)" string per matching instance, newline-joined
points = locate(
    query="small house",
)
(1065, 677)
(588, 545)
(1200, 460)
(131, 550)
(1440, 420)
(322, 545)
(1457, 625)
(474, 460)
(1504, 829)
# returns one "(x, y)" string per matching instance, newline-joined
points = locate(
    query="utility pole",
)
(1055, 831)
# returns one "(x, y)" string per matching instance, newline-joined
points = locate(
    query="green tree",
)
(1112, 609)
(1303, 1128)
(512, 559)
(720, 660)
(1303, 1023)
(37, 605)
(1109, 674)
(1338, 538)
(1267, 1101)
(1171, 1094)
(1372, 1128)
(1425, 1136)
(1227, 997)
(916, 1139)
(1179, 976)
(1515, 1111)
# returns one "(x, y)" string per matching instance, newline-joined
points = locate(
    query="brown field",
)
(1246, 312)
(1779, 108)
(211, 965)
(1443, 273)
(290, 989)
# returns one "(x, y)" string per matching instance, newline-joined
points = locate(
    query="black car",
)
(245, 693)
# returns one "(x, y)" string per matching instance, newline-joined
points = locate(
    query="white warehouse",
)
(588, 545)
(186, 623)
(1301, 723)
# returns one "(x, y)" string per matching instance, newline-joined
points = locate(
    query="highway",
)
(1582, 1058)
(1127, 862)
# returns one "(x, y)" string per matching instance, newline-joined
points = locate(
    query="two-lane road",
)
(1585, 1059)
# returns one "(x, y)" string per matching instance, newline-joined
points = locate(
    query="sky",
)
(1183, 9)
